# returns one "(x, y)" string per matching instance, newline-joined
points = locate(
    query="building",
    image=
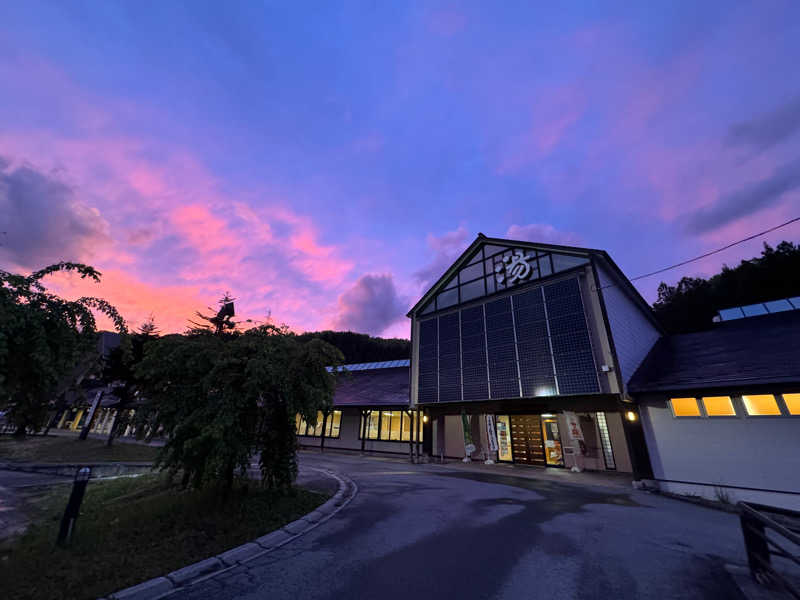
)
(370, 412)
(721, 408)
(532, 344)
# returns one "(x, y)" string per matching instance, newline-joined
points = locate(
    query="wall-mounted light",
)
(547, 415)
(631, 416)
(424, 418)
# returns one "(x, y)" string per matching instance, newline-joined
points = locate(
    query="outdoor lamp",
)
(631, 416)
(424, 418)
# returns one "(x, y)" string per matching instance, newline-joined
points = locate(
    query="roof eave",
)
(482, 239)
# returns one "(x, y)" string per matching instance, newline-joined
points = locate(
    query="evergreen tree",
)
(692, 303)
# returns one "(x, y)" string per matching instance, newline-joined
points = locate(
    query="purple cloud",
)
(446, 248)
(747, 200)
(543, 233)
(43, 221)
(370, 306)
(767, 129)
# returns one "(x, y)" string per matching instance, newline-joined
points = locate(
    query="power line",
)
(717, 251)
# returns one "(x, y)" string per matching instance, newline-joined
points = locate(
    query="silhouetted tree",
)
(43, 341)
(360, 347)
(220, 397)
(691, 304)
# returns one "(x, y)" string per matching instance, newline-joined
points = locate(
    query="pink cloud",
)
(171, 306)
(553, 112)
(543, 233)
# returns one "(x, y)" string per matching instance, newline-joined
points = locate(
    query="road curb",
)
(162, 587)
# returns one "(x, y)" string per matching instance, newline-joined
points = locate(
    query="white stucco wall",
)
(748, 452)
(618, 444)
(633, 333)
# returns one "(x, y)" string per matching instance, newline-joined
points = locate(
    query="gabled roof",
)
(374, 387)
(482, 240)
(734, 354)
(591, 253)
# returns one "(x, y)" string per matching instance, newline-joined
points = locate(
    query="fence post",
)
(73, 505)
(755, 543)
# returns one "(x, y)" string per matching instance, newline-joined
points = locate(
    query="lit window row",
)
(389, 426)
(331, 429)
(757, 405)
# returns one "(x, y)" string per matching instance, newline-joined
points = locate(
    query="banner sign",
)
(491, 433)
(573, 426)
(504, 436)
(469, 446)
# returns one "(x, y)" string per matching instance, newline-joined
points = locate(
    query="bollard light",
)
(73, 508)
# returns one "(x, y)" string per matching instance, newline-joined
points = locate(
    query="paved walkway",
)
(453, 531)
(13, 518)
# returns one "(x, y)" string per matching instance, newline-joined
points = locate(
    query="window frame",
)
(784, 405)
(329, 426)
(698, 405)
(704, 408)
(778, 398)
(415, 416)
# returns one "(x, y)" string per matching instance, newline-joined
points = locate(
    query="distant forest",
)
(692, 303)
(361, 348)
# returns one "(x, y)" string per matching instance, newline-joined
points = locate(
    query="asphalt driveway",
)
(430, 531)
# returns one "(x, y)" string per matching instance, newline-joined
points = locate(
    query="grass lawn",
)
(59, 449)
(133, 529)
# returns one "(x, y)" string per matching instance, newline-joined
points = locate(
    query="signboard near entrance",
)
(491, 433)
(504, 438)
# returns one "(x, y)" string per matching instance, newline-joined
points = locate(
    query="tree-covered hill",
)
(692, 303)
(360, 347)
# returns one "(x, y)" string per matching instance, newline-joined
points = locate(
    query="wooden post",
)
(364, 417)
(420, 417)
(410, 414)
(322, 435)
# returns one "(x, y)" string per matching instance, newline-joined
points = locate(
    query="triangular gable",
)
(489, 266)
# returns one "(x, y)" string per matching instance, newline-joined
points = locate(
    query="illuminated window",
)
(792, 403)
(317, 431)
(373, 425)
(719, 406)
(391, 426)
(331, 429)
(685, 407)
(406, 433)
(761, 405)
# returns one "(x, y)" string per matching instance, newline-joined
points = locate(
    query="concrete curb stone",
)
(316, 516)
(273, 539)
(144, 591)
(297, 527)
(240, 554)
(161, 587)
(195, 570)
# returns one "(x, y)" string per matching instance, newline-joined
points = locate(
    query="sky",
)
(325, 162)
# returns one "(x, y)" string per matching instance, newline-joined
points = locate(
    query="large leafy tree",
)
(224, 397)
(44, 341)
(119, 372)
(691, 304)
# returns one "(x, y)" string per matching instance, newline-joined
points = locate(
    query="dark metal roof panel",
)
(755, 351)
(374, 387)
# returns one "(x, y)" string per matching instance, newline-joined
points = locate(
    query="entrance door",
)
(552, 442)
(526, 439)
